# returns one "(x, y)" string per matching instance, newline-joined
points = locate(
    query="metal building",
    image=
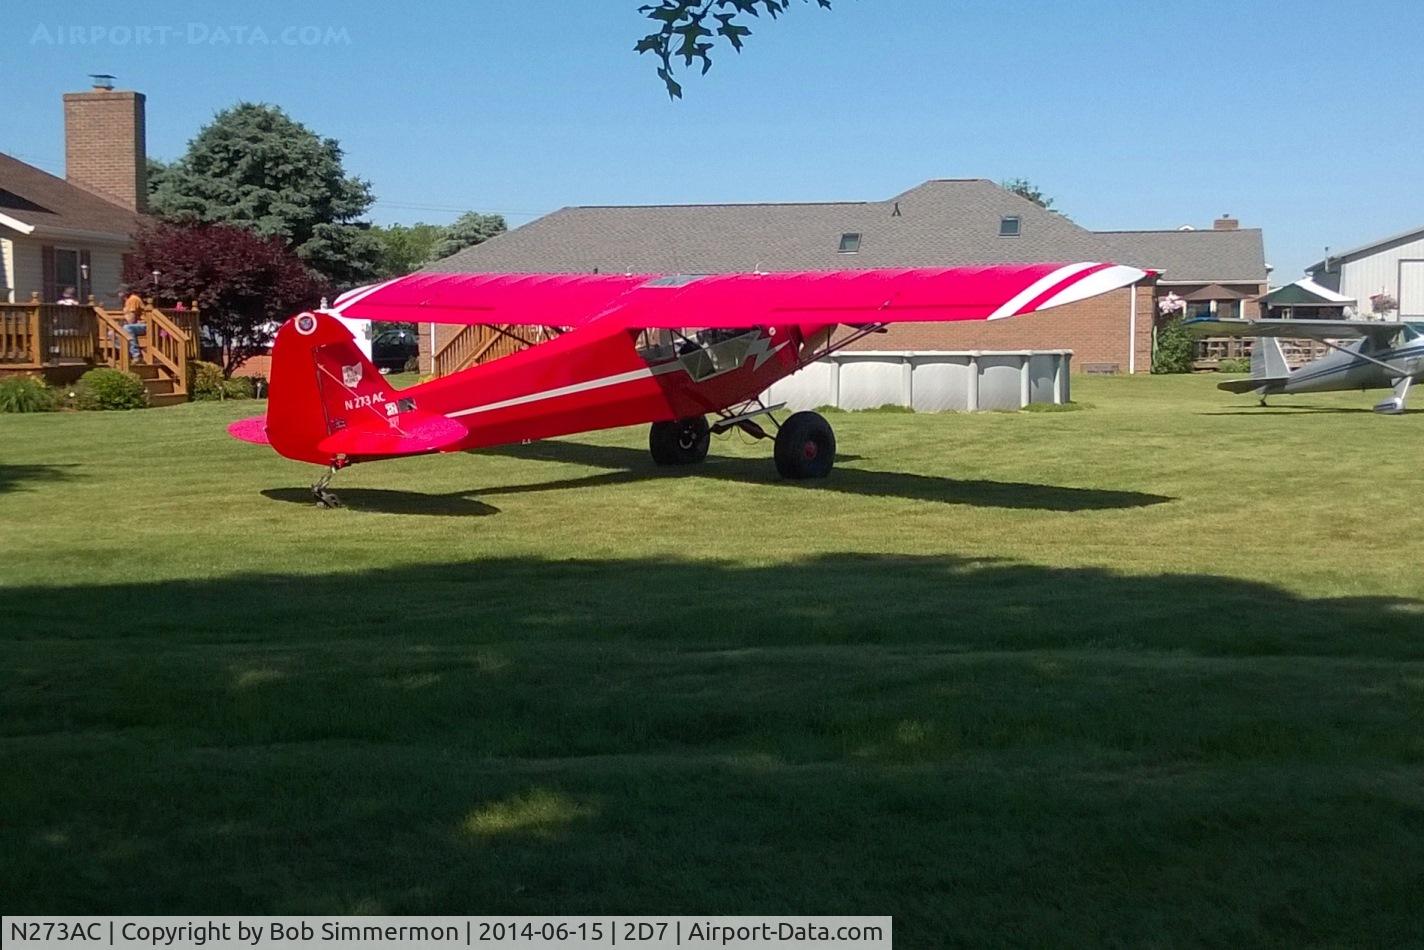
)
(1392, 266)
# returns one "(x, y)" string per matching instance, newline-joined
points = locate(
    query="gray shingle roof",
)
(43, 201)
(943, 222)
(940, 222)
(1197, 257)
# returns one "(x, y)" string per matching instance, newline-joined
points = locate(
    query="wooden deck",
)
(62, 341)
(1212, 350)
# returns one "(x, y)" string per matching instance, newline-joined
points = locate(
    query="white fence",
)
(928, 381)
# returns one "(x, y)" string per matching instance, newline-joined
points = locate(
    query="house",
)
(1392, 266)
(73, 231)
(938, 223)
(1306, 300)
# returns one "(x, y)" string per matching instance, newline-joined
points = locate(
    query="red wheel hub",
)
(809, 450)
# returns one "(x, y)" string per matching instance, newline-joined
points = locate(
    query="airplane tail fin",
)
(1268, 360)
(329, 404)
(1268, 365)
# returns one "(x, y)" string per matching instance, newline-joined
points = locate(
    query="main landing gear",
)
(805, 443)
(680, 442)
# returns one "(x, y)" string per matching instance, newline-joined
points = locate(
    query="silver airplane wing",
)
(1376, 330)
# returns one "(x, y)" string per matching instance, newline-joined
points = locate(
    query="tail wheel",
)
(680, 442)
(805, 446)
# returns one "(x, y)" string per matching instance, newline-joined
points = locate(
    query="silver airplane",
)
(1365, 354)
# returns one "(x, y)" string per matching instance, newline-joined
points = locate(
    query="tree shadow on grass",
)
(1062, 749)
(15, 477)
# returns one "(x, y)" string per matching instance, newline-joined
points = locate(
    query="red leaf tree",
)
(245, 284)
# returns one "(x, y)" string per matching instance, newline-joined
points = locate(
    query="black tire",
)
(805, 446)
(680, 442)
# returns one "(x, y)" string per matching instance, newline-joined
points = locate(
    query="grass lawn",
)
(1151, 673)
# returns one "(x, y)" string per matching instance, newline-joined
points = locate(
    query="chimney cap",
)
(102, 80)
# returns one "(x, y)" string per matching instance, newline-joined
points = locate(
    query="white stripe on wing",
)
(1012, 305)
(1109, 278)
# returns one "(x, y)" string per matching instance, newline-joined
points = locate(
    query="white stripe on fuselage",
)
(572, 389)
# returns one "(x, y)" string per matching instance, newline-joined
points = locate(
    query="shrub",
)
(26, 394)
(239, 387)
(412, 365)
(1234, 364)
(207, 380)
(1175, 349)
(105, 388)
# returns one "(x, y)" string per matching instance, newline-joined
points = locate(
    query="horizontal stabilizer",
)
(414, 432)
(252, 429)
(1248, 385)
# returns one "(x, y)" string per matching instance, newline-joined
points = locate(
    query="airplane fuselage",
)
(1348, 370)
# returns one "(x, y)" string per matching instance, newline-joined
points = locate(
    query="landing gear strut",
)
(324, 498)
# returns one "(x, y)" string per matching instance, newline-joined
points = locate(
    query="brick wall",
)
(104, 145)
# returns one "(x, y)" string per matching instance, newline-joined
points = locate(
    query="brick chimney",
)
(1225, 223)
(104, 144)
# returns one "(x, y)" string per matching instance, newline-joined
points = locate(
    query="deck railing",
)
(476, 344)
(1212, 350)
(20, 340)
(37, 336)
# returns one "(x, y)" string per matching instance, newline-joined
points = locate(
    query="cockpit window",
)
(1413, 332)
(704, 353)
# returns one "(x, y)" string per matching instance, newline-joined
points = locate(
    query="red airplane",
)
(606, 351)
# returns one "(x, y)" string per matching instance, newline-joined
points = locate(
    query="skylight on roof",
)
(850, 242)
(1010, 226)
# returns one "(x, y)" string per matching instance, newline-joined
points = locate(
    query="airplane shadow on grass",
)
(628, 466)
(1299, 411)
(633, 465)
(393, 501)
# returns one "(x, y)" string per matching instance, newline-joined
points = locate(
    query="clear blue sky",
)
(1304, 118)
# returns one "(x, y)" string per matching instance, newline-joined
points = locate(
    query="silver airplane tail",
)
(1268, 366)
(1268, 360)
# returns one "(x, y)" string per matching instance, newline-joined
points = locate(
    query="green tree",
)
(689, 29)
(255, 166)
(1027, 189)
(467, 230)
(405, 247)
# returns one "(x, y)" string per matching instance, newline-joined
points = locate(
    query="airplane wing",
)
(543, 300)
(1296, 329)
(734, 301)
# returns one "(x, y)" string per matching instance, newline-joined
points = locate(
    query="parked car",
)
(393, 348)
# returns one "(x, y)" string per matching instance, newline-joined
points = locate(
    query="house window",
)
(850, 242)
(66, 269)
(1009, 226)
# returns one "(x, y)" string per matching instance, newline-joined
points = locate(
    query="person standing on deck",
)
(133, 321)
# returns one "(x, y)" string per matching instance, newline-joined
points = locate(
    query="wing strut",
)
(1365, 356)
